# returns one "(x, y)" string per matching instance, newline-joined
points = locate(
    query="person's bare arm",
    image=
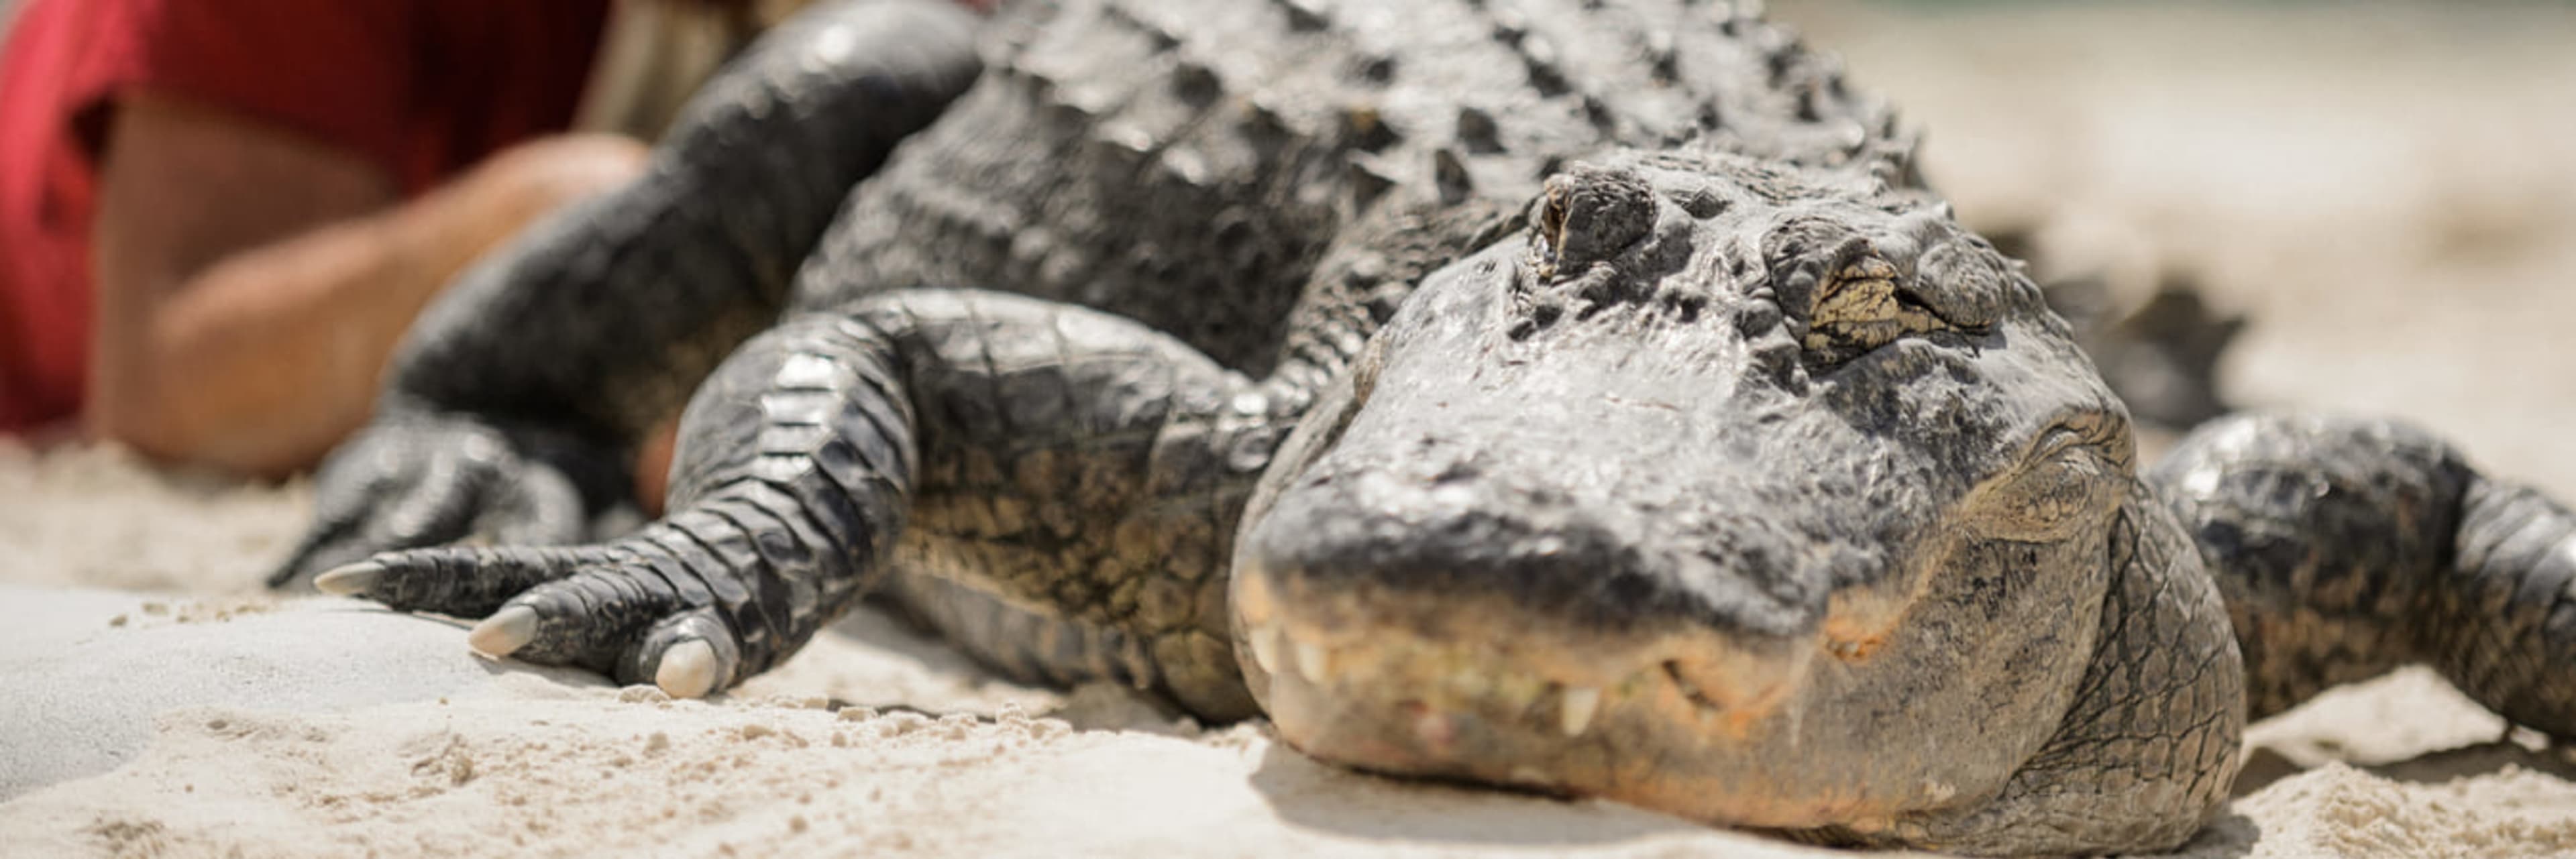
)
(252, 282)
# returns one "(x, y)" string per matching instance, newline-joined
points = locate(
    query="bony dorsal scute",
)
(1589, 214)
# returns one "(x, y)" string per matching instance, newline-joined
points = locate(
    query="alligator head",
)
(1759, 496)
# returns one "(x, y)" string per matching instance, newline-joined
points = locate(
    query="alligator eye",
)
(1861, 308)
(1587, 215)
(1551, 231)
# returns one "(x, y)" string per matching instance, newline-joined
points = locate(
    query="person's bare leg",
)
(252, 282)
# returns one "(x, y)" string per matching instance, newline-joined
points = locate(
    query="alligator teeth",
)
(1574, 715)
(1314, 662)
(1265, 647)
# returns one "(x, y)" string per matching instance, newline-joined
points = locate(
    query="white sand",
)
(257, 727)
(2386, 192)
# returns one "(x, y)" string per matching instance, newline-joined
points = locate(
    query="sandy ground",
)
(2386, 192)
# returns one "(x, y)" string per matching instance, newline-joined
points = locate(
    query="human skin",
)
(251, 282)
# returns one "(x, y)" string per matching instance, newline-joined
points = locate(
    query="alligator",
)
(1577, 396)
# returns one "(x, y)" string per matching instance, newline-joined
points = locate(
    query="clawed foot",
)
(428, 480)
(636, 610)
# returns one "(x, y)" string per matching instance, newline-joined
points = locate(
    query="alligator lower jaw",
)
(1655, 722)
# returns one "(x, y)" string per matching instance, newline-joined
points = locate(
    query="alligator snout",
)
(1429, 615)
(1595, 546)
(1406, 681)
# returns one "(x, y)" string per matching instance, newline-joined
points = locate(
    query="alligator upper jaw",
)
(1412, 605)
(1664, 719)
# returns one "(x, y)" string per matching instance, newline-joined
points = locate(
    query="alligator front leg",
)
(2346, 548)
(546, 358)
(1070, 462)
(797, 460)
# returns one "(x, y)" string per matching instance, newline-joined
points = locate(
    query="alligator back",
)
(1188, 162)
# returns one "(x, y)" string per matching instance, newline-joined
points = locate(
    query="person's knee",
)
(559, 169)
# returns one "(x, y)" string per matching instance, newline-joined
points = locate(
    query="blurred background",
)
(2382, 191)
(2385, 191)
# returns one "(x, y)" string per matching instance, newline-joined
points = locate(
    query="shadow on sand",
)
(1310, 793)
(2265, 766)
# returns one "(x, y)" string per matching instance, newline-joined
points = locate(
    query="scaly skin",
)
(1136, 157)
(2353, 547)
(524, 375)
(1628, 423)
(1795, 542)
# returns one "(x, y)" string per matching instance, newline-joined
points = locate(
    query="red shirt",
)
(422, 87)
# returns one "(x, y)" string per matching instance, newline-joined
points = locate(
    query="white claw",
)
(688, 670)
(1314, 662)
(1265, 647)
(351, 580)
(1574, 714)
(504, 633)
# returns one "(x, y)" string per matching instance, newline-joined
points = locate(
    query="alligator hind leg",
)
(1067, 461)
(2347, 548)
